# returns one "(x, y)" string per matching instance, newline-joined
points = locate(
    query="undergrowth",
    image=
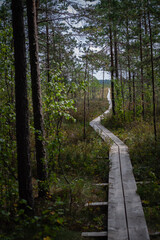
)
(138, 135)
(72, 174)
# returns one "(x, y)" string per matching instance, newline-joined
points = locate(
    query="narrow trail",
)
(126, 219)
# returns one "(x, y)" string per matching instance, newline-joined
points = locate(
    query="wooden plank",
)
(155, 234)
(94, 234)
(143, 182)
(101, 184)
(110, 135)
(135, 216)
(117, 225)
(96, 204)
(126, 219)
(105, 133)
(129, 202)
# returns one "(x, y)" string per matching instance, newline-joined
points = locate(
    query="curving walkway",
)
(126, 219)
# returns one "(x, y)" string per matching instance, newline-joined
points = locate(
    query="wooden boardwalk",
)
(126, 219)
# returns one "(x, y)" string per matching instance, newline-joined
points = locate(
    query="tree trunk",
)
(48, 53)
(103, 86)
(36, 95)
(122, 92)
(54, 44)
(116, 54)
(145, 22)
(92, 85)
(134, 97)
(84, 103)
(141, 57)
(116, 60)
(88, 89)
(146, 46)
(129, 66)
(22, 119)
(153, 80)
(129, 83)
(112, 71)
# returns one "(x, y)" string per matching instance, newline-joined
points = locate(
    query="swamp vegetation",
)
(144, 154)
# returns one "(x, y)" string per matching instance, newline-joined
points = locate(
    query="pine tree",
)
(36, 97)
(22, 120)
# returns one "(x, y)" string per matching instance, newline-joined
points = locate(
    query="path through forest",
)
(125, 213)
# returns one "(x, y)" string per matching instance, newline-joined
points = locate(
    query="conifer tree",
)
(22, 120)
(36, 97)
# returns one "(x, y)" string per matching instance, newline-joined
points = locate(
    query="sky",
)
(85, 2)
(97, 74)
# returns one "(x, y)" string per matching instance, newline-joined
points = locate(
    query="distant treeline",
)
(106, 82)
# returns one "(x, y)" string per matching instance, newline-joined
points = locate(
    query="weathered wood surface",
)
(96, 204)
(101, 184)
(94, 234)
(126, 219)
(117, 222)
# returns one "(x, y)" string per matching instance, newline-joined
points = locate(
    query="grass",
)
(73, 172)
(62, 214)
(85, 162)
(145, 156)
(96, 107)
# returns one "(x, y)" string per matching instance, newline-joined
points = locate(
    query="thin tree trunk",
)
(122, 92)
(116, 54)
(153, 80)
(129, 66)
(84, 116)
(47, 43)
(84, 106)
(92, 85)
(141, 57)
(53, 45)
(116, 60)
(88, 89)
(112, 71)
(22, 119)
(147, 50)
(36, 96)
(37, 6)
(12, 87)
(103, 86)
(134, 97)
(129, 79)
(145, 22)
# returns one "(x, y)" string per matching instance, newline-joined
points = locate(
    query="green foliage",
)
(144, 153)
(97, 106)
(45, 224)
(88, 158)
(57, 102)
(8, 168)
(57, 106)
(150, 192)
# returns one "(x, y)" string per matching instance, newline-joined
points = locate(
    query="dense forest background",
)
(49, 156)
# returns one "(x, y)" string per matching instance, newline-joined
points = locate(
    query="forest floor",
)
(84, 162)
(87, 164)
